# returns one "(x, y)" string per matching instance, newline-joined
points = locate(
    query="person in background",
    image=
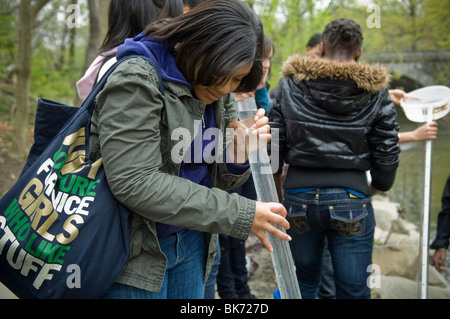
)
(169, 8)
(262, 94)
(126, 19)
(422, 133)
(327, 289)
(176, 188)
(314, 46)
(335, 121)
(425, 132)
(189, 4)
(440, 243)
(174, 8)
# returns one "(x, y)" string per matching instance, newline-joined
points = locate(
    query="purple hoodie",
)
(159, 52)
(196, 172)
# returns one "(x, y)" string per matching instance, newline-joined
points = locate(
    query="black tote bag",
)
(62, 232)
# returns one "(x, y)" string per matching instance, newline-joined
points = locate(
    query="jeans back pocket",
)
(296, 216)
(348, 220)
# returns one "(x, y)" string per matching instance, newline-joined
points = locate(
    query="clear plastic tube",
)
(283, 263)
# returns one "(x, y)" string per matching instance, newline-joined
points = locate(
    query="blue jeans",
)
(327, 290)
(232, 279)
(210, 285)
(348, 224)
(185, 253)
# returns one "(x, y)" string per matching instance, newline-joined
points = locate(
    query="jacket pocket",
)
(296, 216)
(348, 220)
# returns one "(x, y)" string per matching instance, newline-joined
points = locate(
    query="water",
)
(408, 186)
(266, 192)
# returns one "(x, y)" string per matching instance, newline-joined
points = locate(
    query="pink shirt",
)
(86, 83)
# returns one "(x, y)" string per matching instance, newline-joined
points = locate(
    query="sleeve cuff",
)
(236, 169)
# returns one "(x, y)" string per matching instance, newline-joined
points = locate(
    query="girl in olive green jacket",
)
(165, 155)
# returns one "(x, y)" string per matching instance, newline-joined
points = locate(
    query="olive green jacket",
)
(142, 136)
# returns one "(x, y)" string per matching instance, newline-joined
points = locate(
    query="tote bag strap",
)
(89, 102)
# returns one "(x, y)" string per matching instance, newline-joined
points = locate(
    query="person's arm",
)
(383, 142)
(397, 95)
(227, 174)
(130, 139)
(438, 259)
(129, 121)
(441, 242)
(424, 132)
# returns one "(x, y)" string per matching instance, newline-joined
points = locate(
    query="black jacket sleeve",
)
(278, 129)
(383, 142)
(443, 222)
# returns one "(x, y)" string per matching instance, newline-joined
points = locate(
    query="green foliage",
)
(436, 22)
(7, 53)
(405, 25)
(51, 82)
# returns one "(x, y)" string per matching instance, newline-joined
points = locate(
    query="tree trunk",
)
(27, 17)
(103, 6)
(23, 69)
(72, 36)
(94, 40)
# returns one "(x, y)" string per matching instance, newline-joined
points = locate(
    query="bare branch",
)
(37, 6)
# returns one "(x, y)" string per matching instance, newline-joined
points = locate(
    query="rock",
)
(396, 253)
(394, 287)
(385, 212)
(435, 278)
(400, 261)
(395, 239)
(402, 226)
(263, 282)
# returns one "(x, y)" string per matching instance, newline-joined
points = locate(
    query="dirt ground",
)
(263, 282)
(10, 168)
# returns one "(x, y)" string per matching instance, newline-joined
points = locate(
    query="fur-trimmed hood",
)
(369, 77)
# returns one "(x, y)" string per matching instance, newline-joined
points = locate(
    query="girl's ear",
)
(358, 55)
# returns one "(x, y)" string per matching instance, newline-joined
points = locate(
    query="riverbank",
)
(396, 253)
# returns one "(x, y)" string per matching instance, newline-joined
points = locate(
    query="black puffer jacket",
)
(335, 122)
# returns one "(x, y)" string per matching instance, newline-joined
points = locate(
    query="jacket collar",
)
(371, 78)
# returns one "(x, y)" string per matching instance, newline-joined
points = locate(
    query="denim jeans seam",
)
(319, 206)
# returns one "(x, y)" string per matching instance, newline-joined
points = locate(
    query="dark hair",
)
(172, 8)
(268, 48)
(126, 19)
(225, 35)
(192, 3)
(314, 40)
(343, 35)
